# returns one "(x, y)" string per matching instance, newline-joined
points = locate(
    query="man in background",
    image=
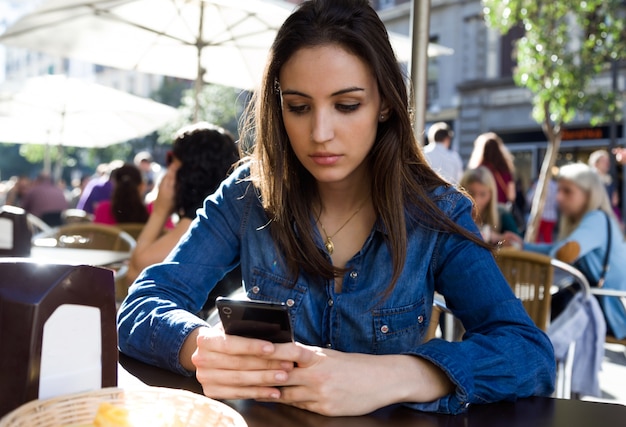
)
(45, 200)
(441, 158)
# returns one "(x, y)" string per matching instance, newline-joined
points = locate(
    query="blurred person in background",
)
(201, 157)
(600, 161)
(45, 200)
(494, 219)
(126, 204)
(78, 186)
(149, 169)
(490, 151)
(99, 188)
(17, 192)
(588, 229)
(445, 161)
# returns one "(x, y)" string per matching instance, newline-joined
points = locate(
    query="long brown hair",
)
(489, 150)
(126, 202)
(401, 176)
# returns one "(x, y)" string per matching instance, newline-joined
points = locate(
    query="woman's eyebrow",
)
(339, 92)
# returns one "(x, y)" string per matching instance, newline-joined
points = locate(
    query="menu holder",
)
(15, 234)
(57, 330)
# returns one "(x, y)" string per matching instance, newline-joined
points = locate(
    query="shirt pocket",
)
(399, 329)
(272, 287)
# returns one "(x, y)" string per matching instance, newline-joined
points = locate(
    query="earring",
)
(382, 117)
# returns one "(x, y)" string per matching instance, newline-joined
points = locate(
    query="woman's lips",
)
(325, 158)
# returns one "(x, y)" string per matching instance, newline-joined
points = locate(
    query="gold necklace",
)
(328, 242)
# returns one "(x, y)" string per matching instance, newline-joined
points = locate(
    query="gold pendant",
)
(329, 246)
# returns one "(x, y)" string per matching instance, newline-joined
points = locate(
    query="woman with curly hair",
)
(126, 204)
(201, 157)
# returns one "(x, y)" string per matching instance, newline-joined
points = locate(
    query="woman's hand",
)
(325, 381)
(334, 383)
(164, 202)
(232, 367)
(511, 239)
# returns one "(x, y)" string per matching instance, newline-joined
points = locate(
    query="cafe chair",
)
(36, 224)
(73, 215)
(443, 324)
(530, 276)
(611, 293)
(132, 228)
(87, 235)
(586, 330)
(91, 236)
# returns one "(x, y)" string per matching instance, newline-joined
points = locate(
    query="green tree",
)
(565, 45)
(219, 105)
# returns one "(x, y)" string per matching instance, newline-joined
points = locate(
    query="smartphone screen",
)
(255, 319)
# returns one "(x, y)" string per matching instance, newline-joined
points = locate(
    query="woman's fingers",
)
(232, 367)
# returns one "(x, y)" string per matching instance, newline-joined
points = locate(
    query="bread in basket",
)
(146, 406)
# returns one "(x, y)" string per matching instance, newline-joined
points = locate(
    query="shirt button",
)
(354, 274)
(384, 329)
(290, 302)
(255, 289)
(420, 319)
(330, 302)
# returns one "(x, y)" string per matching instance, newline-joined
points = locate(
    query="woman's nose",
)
(322, 127)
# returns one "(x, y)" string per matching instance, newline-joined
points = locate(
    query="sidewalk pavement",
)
(612, 377)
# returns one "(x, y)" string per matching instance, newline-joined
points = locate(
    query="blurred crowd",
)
(502, 203)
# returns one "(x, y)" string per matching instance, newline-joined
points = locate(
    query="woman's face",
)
(571, 199)
(603, 164)
(481, 195)
(331, 109)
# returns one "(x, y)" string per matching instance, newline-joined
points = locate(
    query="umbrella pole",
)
(58, 167)
(420, 22)
(47, 167)
(200, 72)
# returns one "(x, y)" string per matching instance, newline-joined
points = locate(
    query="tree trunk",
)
(553, 134)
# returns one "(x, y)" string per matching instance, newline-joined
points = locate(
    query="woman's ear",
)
(384, 113)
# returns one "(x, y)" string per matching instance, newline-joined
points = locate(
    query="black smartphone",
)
(255, 319)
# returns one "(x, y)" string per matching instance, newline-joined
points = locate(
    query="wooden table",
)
(530, 412)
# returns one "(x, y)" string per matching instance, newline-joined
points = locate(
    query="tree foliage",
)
(220, 105)
(566, 45)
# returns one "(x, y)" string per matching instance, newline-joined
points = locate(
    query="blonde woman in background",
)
(493, 219)
(587, 220)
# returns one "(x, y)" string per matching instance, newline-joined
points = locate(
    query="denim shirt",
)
(503, 355)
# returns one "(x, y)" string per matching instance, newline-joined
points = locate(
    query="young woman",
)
(337, 214)
(126, 204)
(494, 219)
(490, 151)
(201, 157)
(584, 235)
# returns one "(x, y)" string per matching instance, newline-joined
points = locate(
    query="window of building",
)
(432, 85)
(507, 50)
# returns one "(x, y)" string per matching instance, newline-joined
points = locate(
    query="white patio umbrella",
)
(217, 41)
(63, 111)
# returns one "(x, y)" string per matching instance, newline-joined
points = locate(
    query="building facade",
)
(473, 89)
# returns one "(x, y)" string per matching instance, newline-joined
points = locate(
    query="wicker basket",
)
(184, 407)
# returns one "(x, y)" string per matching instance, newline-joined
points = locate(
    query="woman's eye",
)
(297, 109)
(347, 108)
